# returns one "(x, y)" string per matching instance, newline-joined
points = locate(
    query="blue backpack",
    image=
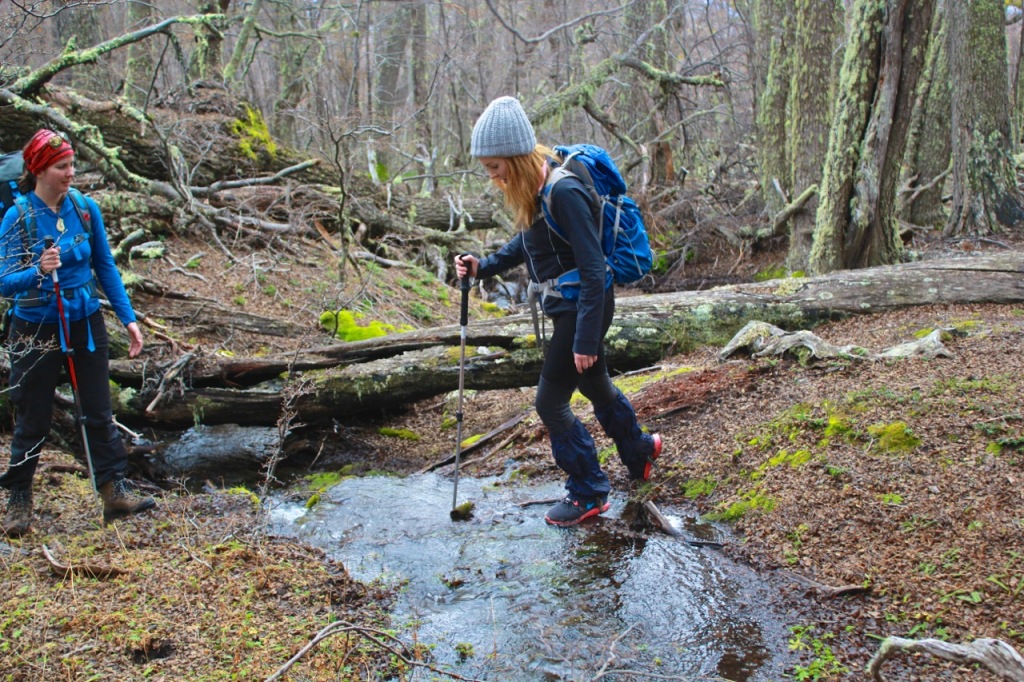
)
(623, 234)
(11, 168)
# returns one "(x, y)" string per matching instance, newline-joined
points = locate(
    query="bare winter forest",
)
(284, 183)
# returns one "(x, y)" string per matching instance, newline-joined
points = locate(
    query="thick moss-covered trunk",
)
(873, 234)
(929, 142)
(985, 194)
(858, 79)
(856, 222)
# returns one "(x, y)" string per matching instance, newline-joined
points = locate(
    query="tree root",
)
(996, 655)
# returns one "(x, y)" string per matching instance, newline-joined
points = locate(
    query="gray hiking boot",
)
(572, 510)
(19, 513)
(119, 499)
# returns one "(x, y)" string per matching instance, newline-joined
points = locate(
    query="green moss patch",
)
(401, 434)
(895, 437)
(348, 326)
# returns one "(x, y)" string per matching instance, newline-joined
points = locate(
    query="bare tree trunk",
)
(83, 23)
(929, 139)
(388, 93)
(238, 65)
(985, 194)
(643, 110)
(208, 60)
(424, 75)
(773, 32)
(818, 23)
(296, 60)
(139, 66)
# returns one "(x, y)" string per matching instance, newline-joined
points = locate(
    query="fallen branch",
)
(762, 339)
(828, 590)
(476, 445)
(168, 377)
(375, 636)
(249, 182)
(65, 469)
(386, 262)
(87, 570)
(783, 216)
(662, 522)
(994, 654)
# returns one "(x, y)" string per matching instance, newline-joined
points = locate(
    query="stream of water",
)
(503, 596)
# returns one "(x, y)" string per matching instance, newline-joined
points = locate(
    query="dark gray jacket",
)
(547, 256)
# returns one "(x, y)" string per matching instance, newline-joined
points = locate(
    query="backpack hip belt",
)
(38, 297)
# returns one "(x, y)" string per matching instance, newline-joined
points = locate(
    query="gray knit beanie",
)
(502, 130)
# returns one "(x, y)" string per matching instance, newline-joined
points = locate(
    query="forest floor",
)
(901, 480)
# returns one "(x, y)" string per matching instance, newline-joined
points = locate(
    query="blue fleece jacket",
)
(81, 257)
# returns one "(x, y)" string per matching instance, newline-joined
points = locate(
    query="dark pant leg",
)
(36, 362)
(559, 377)
(571, 445)
(595, 384)
(92, 369)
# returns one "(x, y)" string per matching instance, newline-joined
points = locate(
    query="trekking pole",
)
(463, 321)
(69, 353)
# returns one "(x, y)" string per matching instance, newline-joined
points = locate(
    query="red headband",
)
(45, 149)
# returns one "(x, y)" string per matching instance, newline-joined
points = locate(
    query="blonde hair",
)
(525, 174)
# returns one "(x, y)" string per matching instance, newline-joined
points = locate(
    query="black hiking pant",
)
(37, 363)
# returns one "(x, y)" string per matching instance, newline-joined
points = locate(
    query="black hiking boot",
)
(18, 521)
(119, 499)
(572, 510)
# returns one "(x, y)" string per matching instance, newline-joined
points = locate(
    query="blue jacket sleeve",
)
(105, 269)
(571, 208)
(15, 276)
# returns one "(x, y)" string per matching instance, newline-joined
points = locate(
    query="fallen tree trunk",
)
(345, 378)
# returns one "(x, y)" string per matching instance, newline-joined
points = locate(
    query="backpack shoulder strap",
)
(554, 175)
(27, 221)
(82, 208)
(579, 171)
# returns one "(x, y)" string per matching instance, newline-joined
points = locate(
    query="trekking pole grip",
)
(47, 245)
(464, 284)
(464, 311)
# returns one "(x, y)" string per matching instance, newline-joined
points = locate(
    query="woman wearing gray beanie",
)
(504, 142)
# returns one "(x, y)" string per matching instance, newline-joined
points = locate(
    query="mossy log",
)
(346, 378)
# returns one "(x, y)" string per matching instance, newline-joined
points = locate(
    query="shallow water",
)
(543, 603)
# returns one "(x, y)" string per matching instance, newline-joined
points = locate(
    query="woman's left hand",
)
(134, 340)
(584, 362)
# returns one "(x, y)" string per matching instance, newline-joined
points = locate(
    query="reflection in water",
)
(543, 603)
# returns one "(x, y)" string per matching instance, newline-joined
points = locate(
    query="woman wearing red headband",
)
(51, 210)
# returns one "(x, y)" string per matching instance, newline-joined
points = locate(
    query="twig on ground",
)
(88, 570)
(176, 268)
